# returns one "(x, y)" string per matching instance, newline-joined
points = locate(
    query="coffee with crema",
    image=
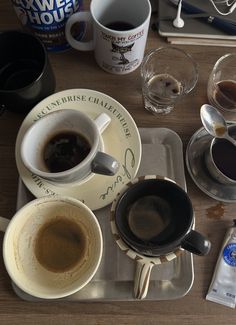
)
(60, 244)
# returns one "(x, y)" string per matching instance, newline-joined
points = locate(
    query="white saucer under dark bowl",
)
(197, 145)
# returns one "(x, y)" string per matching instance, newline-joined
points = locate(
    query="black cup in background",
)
(26, 76)
(178, 234)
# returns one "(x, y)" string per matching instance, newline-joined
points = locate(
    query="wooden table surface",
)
(78, 70)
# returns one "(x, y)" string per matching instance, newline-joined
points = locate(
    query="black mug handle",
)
(2, 109)
(196, 243)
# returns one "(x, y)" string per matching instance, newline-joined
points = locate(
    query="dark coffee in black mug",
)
(26, 76)
(154, 216)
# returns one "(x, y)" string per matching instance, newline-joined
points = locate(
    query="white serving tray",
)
(163, 155)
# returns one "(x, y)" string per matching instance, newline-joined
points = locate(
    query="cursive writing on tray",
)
(125, 174)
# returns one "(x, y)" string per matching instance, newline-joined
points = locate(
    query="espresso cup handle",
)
(196, 243)
(3, 224)
(142, 278)
(104, 164)
(81, 16)
(102, 122)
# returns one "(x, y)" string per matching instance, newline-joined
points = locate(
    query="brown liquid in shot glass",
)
(225, 94)
(164, 87)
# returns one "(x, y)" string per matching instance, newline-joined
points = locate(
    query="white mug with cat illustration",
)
(120, 30)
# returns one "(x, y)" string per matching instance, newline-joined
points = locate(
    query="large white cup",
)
(120, 30)
(20, 242)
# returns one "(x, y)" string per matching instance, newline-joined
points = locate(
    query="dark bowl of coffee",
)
(26, 75)
(220, 159)
(154, 216)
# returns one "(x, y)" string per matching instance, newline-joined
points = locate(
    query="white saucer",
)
(121, 139)
(197, 145)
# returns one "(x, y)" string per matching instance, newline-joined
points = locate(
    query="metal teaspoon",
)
(214, 122)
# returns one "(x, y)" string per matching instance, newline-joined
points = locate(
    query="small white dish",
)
(120, 140)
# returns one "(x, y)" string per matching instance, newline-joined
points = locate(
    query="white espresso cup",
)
(65, 146)
(120, 30)
(52, 246)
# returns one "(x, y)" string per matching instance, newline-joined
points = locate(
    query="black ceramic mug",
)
(26, 76)
(154, 216)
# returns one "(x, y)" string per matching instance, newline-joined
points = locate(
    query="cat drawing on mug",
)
(122, 50)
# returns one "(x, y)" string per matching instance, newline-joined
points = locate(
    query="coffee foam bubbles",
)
(31, 271)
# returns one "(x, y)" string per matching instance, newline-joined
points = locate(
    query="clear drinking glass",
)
(221, 89)
(168, 73)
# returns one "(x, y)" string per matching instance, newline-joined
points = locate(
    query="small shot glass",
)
(167, 73)
(221, 89)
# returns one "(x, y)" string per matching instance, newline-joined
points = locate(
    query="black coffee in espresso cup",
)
(26, 76)
(220, 159)
(154, 216)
